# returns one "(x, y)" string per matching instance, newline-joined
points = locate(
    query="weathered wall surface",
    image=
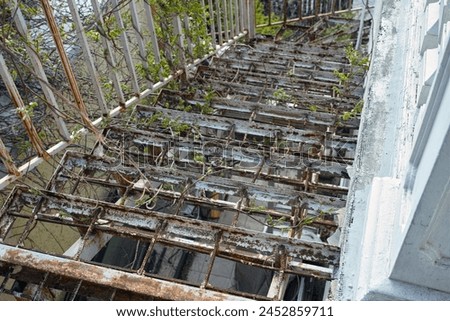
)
(379, 208)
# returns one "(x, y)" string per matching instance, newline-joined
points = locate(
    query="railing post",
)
(361, 27)
(22, 28)
(90, 64)
(24, 116)
(82, 110)
(179, 50)
(251, 21)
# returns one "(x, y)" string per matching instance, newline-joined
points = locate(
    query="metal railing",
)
(127, 55)
(92, 61)
(280, 12)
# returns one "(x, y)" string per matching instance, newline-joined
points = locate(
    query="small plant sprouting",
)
(354, 112)
(167, 187)
(94, 35)
(274, 223)
(175, 125)
(313, 108)
(342, 76)
(308, 220)
(356, 59)
(199, 158)
(336, 90)
(184, 107)
(154, 118)
(148, 201)
(27, 110)
(207, 108)
(358, 64)
(76, 133)
(281, 95)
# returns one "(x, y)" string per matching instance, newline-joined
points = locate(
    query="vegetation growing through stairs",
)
(358, 66)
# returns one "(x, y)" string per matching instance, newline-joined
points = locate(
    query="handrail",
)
(114, 64)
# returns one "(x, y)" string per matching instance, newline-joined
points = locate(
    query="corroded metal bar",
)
(204, 11)
(212, 258)
(285, 11)
(280, 279)
(235, 242)
(262, 130)
(160, 227)
(320, 15)
(225, 20)
(212, 21)
(7, 221)
(300, 10)
(237, 22)
(107, 277)
(335, 57)
(301, 98)
(219, 22)
(90, 164)
(192, 237)
(212, 183)
(251, 19)
(307, 68)
(229, 151)
(361, 27)
(278, 115)
(224, 207)
(298, 83)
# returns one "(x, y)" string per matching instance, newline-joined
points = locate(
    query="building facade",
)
(396, 243)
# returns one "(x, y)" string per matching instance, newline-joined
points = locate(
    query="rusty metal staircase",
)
(226, 186)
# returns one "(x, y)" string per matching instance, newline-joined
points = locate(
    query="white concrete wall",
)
(397, 203)
(423, 255)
